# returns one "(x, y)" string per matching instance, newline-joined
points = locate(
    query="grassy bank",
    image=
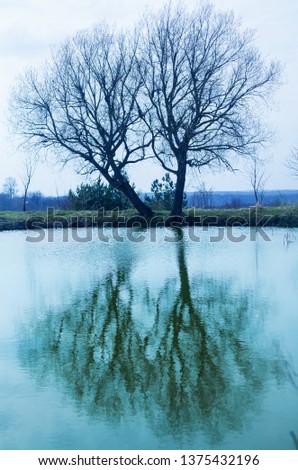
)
(282, 216)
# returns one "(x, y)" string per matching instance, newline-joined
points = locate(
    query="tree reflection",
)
(197, 367)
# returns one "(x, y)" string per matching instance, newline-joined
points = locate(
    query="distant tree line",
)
(87, 196)
(36, 201)
(97, 194)
(12, 200)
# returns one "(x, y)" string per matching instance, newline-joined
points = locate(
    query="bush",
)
(97, 195)
(163, 194)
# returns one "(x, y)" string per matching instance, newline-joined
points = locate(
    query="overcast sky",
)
(28, 29)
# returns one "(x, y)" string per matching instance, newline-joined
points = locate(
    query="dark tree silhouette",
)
(29, 170)
(257, 175)
(188, 86)
(163, 194)
(83, 105)
(205, 83)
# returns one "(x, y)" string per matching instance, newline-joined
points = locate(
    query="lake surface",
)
(156, 344)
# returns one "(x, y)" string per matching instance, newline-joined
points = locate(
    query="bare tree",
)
(257, 172)
(84, 106)
(205, 82)
(29, 170)
(292, 162)
(203, 197)
(10, 187)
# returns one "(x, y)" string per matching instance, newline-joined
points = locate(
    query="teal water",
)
(152, 345)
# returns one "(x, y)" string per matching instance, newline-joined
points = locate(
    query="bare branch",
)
(292, 162)
(30, 164)
(84, 106)
(256, 170)
(205, 82)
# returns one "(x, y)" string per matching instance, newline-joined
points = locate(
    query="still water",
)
(154, 344)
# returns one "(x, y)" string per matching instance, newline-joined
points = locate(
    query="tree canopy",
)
(204, 82)
(84, 106)
(184, 87)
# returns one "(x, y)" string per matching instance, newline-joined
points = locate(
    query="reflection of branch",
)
(294, 439)
(293, 380)
(201, 354)
(286, 365)
(191, 369)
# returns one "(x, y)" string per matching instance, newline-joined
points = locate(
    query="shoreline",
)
(255, 216)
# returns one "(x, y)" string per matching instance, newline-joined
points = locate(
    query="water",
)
(149, 345)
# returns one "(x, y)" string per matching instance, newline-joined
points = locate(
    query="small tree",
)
(163, 194)
(29, 170)
(87, 196)
(97, 195)
(203, 197)
(256, 171)
(10, 187)
(292, 162)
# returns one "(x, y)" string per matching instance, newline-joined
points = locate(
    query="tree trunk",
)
(25, 201)
(120, 182)
(136, 201)
(133, 197)
(256, 194)
(179, 190)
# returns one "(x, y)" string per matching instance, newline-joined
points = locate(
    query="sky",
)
(29, 28)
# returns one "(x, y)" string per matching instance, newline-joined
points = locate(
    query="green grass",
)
(281, 216)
